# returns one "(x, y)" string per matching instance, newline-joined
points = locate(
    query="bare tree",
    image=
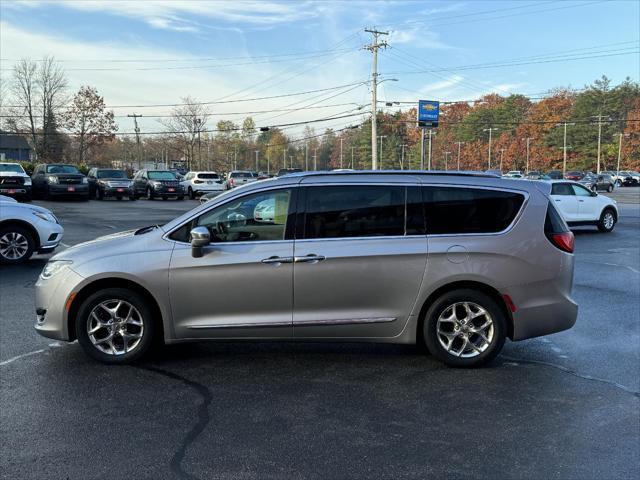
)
(38, 93)
(88, 119)
(185, 125)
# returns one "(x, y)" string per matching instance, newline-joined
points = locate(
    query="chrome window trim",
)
(308, 323)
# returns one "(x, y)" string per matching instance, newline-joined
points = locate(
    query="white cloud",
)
(178, 15)
(136, 87)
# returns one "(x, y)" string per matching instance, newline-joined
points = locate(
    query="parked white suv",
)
(26, 229)
(199, 183)
(581, 206)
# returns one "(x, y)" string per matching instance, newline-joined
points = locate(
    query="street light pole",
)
(341, 152)
(352, 148)
(620, 153)
(402, 157)
(446, 161)
(459, 144)
(306, 156)
(257, 153)
(381, 137)
(564, 145)
(490, 130)
(431, 134)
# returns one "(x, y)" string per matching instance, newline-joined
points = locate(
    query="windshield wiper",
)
(144, 230)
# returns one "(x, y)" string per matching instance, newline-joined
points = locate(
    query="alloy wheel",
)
(608, 220)
(465, 329)
(13, 245)
(115, 327)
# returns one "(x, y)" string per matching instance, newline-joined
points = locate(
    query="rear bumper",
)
(117, 192)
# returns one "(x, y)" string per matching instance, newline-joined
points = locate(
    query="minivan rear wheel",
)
(115, 326)
(465, 328)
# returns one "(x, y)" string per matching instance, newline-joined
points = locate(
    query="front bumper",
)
(51, 298)
(164, 191)
(73, 189)
(117, 191)
(19, 191)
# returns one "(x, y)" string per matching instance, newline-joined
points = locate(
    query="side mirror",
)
(594, 193)
(200, 238)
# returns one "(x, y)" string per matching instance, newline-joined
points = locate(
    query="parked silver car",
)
(457, 261)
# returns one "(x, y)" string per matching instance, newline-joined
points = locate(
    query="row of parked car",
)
(57, 180)
(604, 181)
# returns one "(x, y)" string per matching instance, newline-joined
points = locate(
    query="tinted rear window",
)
(209, 176)
(241, 175)
(354, 211)
(456, 210)
(553, 222)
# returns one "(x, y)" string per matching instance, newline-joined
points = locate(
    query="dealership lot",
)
(563, 406)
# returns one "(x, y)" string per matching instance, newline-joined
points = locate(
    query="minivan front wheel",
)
(115, 326)
(465, 328)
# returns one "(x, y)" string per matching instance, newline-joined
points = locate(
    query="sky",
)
(155, 52)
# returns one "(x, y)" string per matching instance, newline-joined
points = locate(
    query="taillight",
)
(232, 181)
(557, 231)
(198, 181)
(564, 241)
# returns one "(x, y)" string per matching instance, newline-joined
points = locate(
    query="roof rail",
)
(396, 172)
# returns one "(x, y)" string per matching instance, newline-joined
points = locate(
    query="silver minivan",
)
(456, 262)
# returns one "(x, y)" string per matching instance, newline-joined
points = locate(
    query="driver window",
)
(581, 191)
(258, 217)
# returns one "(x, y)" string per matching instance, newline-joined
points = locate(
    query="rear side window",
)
(354, 211)
(561, 189)
(456, 210)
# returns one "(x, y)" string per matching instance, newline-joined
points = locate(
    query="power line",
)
(218, 102)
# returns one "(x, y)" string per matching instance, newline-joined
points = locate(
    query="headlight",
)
(52, 179)
(47, 217)
(27, 181)
(53, 267)
(85, 180)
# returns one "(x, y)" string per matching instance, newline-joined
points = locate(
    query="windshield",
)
(111, 174)
(162, 176)
(62, 169)
(11, 167)
(241, 175)
(210, 176)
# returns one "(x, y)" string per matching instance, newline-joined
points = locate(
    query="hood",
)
(129, 241)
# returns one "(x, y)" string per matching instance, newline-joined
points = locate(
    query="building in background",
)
(14, 147)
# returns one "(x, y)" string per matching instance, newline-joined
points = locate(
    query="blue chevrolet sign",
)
(428, 113)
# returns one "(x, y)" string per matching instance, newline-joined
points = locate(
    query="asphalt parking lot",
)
(562, 406)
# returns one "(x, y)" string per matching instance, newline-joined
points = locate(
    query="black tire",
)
(192, 195)
(493, 312)
(610, 188)
(164, 198)
(133, 198)
(45, 193)
(99, 195)
(150, 195)
(180, 197)
(12, 233)
(606, 224)
(27, 198)
(148, 329)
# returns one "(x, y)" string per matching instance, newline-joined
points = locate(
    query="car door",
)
(141, 182)
(242, 286)
(37, 180)
(565, 200)
(588, 206)
(359, 261)
(91, 178)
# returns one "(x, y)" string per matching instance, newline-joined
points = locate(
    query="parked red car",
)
(575, 176)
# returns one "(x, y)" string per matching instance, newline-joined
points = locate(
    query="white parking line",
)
(634, 270)
(18, 357)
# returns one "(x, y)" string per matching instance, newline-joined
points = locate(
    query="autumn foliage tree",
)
(88, 121)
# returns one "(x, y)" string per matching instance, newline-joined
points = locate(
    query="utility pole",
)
(422, 149)
(268, 159)
(136, 129)
(490, 130)
(446, 160)
(620, 153)
(198, 122)
(459, 145)
(381, 137)
(306, 156)
(257, 153)
(403, 146)
(341, 152)
(501, 158)
(599, 117)
(373, 48)
(284, 156)
(352, 148)
(315, 154)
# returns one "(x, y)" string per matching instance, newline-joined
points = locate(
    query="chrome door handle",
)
(311, 258)
(277, 260)
(581, 201)
(558, 200)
